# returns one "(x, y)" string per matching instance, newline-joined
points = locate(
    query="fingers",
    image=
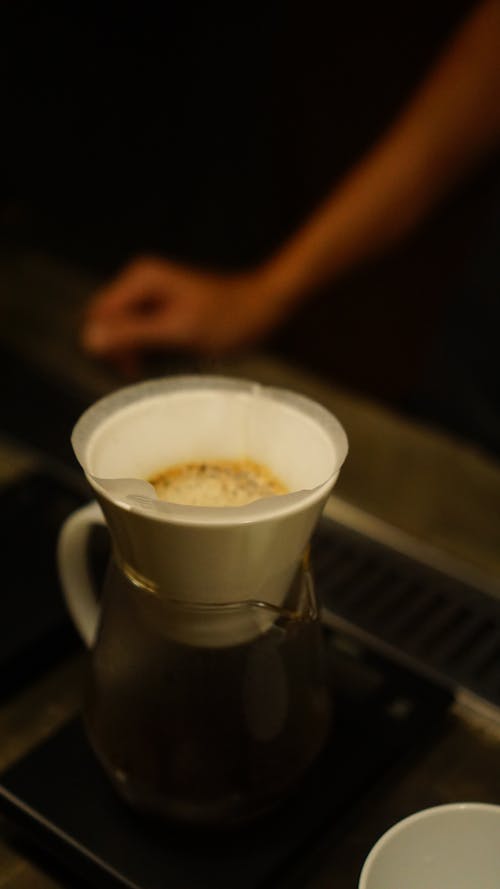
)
(128, 364)
(132, 311)
(138, 281)
(129, 330)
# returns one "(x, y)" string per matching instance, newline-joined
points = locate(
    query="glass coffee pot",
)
(206, 698)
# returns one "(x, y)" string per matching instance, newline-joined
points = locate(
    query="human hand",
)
(155, 303)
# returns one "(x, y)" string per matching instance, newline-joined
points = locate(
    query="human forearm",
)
(451, 123)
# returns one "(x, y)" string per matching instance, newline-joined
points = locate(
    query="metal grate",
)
(443, 626)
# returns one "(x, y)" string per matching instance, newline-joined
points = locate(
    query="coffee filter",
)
(141, 430)
(209, 555)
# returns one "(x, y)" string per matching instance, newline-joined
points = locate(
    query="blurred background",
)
(207, 132)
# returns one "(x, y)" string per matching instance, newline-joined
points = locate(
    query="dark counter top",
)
(437, 491)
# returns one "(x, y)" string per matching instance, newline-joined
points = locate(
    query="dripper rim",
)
(215, 516)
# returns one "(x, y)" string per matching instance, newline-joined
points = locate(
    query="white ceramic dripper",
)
(209, 554)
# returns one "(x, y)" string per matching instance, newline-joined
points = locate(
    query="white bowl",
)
(454, 846)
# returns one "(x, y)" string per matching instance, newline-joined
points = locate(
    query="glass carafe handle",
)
(76, 581)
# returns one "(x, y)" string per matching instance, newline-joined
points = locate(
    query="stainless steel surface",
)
(424, 490)
(430, 612)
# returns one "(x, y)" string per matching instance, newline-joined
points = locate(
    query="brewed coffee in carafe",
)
(209, 734)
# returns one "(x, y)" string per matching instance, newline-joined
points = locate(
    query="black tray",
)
(60, 795)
